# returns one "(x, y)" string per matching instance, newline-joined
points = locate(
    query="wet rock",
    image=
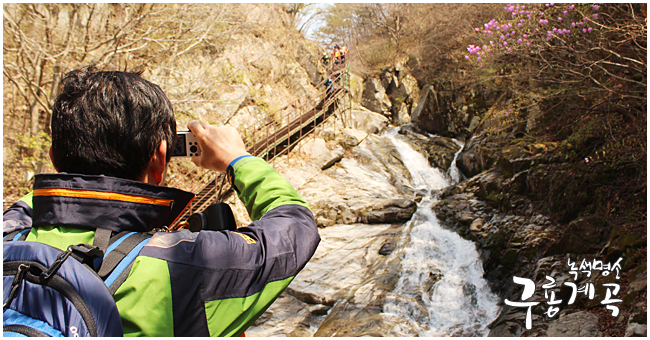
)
(319, 309)
(583, 324)
(386, 248)
(476, 225)
(434, 276)
(476, 156)
(369, 211)
(389, 211)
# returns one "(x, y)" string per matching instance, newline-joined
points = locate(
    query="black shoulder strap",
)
(112, 259)
(116, 256)
(102, 237)
(23, 235)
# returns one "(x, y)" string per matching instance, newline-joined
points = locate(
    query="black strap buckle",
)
(55, 266)
(23, 268)
(84, 253)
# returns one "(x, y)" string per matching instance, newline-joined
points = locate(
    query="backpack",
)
(47, 292)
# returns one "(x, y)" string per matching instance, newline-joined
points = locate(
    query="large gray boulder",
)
(368, 121)
(374, 97)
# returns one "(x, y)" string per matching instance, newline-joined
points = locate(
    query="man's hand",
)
(219, 145)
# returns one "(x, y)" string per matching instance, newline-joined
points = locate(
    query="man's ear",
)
(157, 165)
(52, 159)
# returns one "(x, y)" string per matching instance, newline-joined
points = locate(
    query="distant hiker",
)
(325, 58)
(328, 83)
(344, 51)
(329, 86)
(337, 56)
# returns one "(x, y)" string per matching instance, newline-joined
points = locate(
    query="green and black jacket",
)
(210, 283)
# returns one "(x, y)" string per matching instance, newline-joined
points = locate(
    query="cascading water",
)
(441, 290)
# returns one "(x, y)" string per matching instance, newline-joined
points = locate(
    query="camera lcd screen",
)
(180, 146)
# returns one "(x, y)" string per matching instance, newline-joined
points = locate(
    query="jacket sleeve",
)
(18, 216)
(230, 278)
(261, 188)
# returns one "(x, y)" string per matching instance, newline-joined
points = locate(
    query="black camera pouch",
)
(217, 216)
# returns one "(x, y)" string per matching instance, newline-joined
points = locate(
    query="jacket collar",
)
(117, 204)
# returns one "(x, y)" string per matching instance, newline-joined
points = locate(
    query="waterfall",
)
(441, 290)
(453, 172)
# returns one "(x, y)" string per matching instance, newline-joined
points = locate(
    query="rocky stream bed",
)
(378, 217)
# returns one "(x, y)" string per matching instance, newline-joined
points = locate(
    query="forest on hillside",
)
(187, 49)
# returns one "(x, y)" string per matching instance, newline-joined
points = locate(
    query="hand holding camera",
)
(186, 145)
(219, 145)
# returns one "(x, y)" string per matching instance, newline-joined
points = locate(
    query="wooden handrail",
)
(270, 140)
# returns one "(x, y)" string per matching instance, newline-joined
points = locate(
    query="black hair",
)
(110, 123)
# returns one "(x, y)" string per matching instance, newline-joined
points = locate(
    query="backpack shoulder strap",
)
(102, 238)
(122, 250)
(17, 235)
